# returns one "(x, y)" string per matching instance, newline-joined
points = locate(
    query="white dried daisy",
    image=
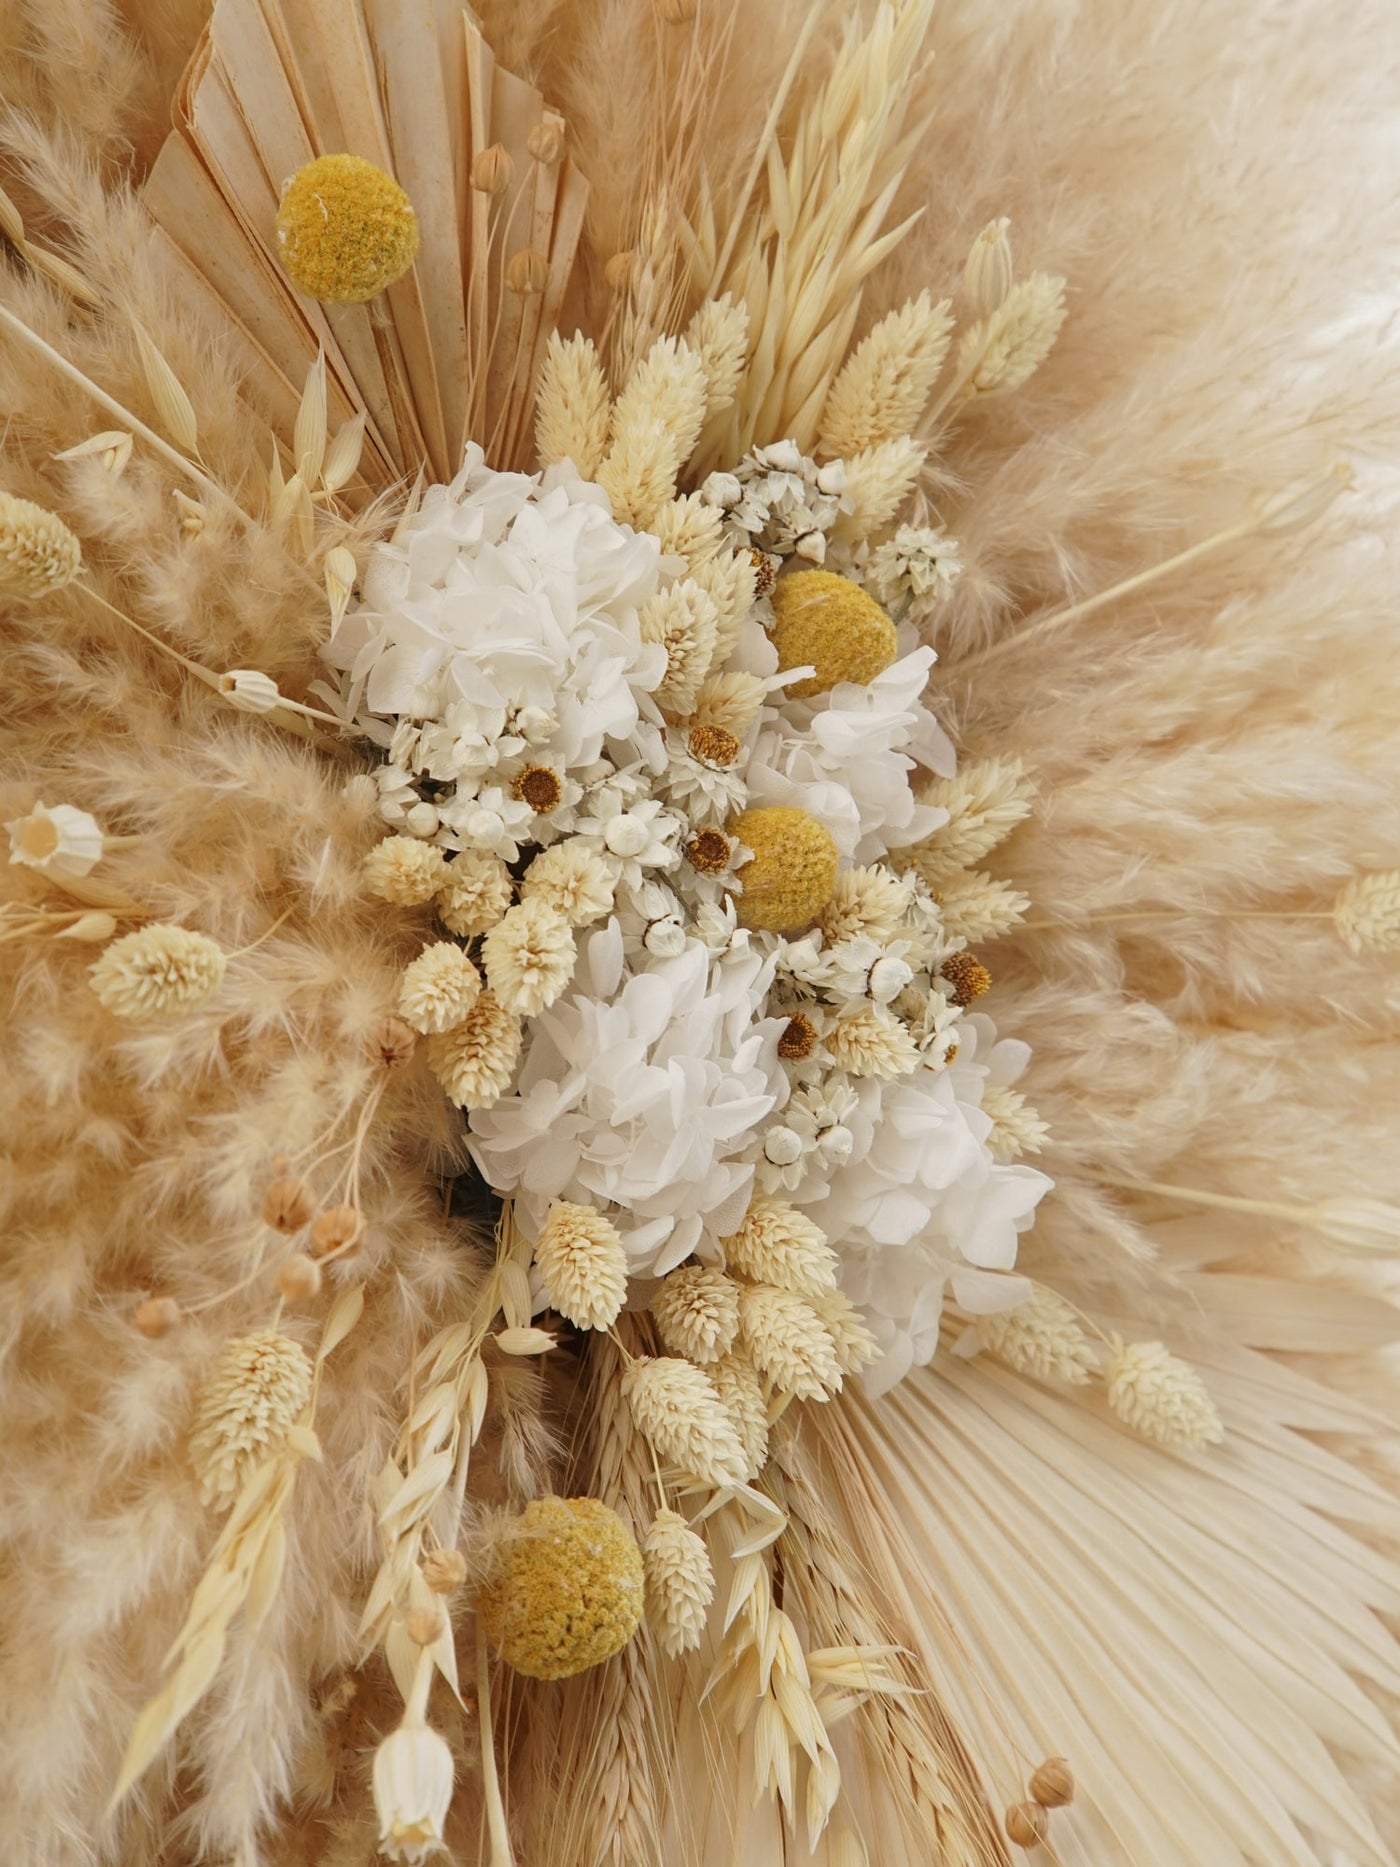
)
(405, 871)
(702, 776)
(1160, 1396)
(788, 1342)
(573, 880)
(631, 837)
(38, 553)
(696, 1312)
(781, 1246)
(438, 989)
(56, 839)
(870, 1041)
(918, 561)
(529, 957)
(1042, 1337)
(247, 1406)
(680, 1582)
(156, 971)
(475, 1061)
(582, 1265)
(678, 1412)
(474, 894)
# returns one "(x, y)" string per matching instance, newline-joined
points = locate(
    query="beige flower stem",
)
(266, 934)
(1076, 612)
(124, 415)
(1159, 914)
(501, 1855)
(1266, 1208)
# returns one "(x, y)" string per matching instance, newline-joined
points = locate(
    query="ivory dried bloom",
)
(781, 1246)
(405, 871)
(250, 690)
(251, 1400)
(788, 1342)
(1041, 1337)
(569, 878)
(679, 1413)
(1161, 1397)
(529, 957)
(345, 230)
(566, 1592)
(157, 971)
(696, 1312)
(412, 1783)
(438, 989)
(474, 894)
(1367, 912)
(475, 1061)
(57, 840)
(793, 871)
(582, 1265)
(38, 553)
(735, 1379)
(853, 1342)
(830, 624)
(680, 1582)
(870, 1041)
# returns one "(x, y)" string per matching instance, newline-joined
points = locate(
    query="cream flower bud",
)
(249, 690)
(987, 274)
(781, 1147)
(493, 170)
(157, 1316)
(545, 143)
(665, 939)
(888, 978)
(528, 273)
(412, 1782)
(299, 1278)
(422, 820)
(92, 928)
(58, 840)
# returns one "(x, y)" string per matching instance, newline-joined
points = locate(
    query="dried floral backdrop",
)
(1201, 1629)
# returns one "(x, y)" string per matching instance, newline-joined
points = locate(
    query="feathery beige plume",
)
(157, 970)
(984, 801)
(855, 1346)
(680, 1582)
(529, 957)
(871, 1041)
(475, 1061)
(730, 579)
(731, 702)
(878, 481)
(572, 881)
(405, 871)
(582, 1265)
(574, 407)
(438, 988)
(677, 1411)
(736, 1381)
(689, 528)
(719, 336)
(1016, 1128)
(788, 1342)
(656, 423)
(779, 1245)
(869, 902)
(976, 907)
(1367, 912)
(684, 620)
(885, 382)
(1160, 1396)
(475, 893)
(696, 1312)
(1002, 351)
(1041, 1337)
(254, 1393)
(38, 552)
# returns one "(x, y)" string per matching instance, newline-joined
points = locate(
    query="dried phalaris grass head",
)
(38, 552)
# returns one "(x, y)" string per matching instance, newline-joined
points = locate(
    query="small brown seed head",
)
(766, 571)
(619, 269)
(968, 977)
(287, 1204)
(538, 787)
(1027, 1824)
(299, 1277)
(493, 170)
(714, 744)
(546, 143)
(392, 1042)
(157, 1316)
(708, 852)
(1052, 1786)
(444, 1570)
(799, 1039)
(528, 273)
(336, 1229)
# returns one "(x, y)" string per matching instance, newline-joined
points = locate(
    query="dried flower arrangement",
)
(525, 1222)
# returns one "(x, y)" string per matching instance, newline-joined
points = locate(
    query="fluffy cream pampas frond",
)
(1202, 1630)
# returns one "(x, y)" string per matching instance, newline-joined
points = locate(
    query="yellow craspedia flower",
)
(345, 230)
(829, 623)
(567, 1591)
(793, 871)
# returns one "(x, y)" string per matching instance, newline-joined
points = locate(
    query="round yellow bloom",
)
(568, 1589)
(793, 871)
(345, 230)
(828, 623)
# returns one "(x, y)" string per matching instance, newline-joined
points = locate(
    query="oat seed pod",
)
(680, 1582)
(1026, 1824)
(493, 171)
(1052, 1784)
(257, 1388)
(679, 1413)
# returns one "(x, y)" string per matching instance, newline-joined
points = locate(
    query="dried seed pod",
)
(423, 1625)
(1052, 1785)
(336, 1229)
(288, 1204)
(528, 273)
(157, 1316)
(546, 143)
(444, 1570)
(392, 1042)
(1027, 1824)
(299, 1278)
(493, 170)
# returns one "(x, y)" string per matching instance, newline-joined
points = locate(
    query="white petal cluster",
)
(779, 501)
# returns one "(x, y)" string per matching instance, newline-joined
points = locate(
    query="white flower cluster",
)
(700, 966)
(779, 501)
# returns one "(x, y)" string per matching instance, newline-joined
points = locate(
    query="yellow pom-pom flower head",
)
(793, 871)
(567, 1588)
(345, 230)
(826, 622)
